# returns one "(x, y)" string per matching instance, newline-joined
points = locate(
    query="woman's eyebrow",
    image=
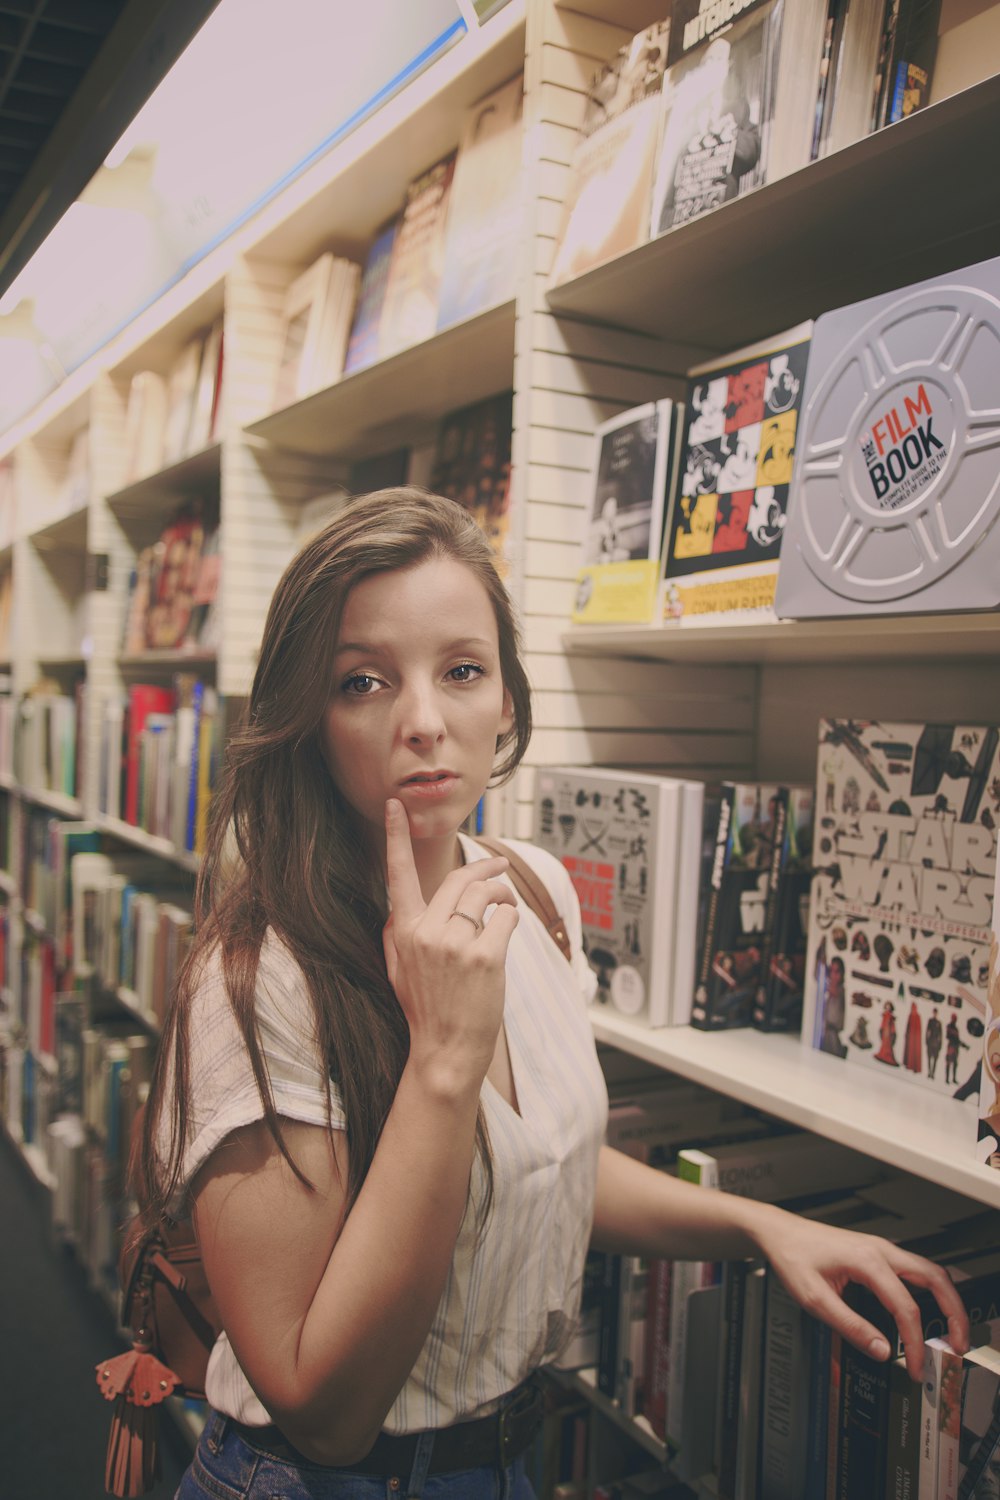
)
(373, 648)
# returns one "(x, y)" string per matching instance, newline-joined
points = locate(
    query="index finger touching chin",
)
(400, 869)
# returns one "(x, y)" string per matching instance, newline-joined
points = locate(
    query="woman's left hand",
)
(816, 1261)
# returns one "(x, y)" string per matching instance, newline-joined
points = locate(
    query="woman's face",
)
(418, 701)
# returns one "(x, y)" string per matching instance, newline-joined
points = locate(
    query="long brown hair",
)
(304, 865)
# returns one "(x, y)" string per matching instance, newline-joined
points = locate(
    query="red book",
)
(658, 1345)
(143, 699)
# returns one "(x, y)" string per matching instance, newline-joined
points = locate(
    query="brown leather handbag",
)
(167, 1302)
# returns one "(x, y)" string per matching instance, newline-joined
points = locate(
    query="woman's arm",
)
(641, 1211)
(327, 1314)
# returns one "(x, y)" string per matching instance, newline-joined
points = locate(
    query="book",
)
(739, 904)
(409, 308)
(302, 322)
(471, 464)
(616, 834)
(853, 73)
(363, 341)
(607, 202)
(175, 569)
(902, 1434)
(897, 964)
(940, 1421)
(485, 215)
(718, 106)
(724, 532)
(777, 1168)
(145, 424)
(182, 383)
(203, 408)
(634, 457)
(787, 1366)
(909, 48)
(890, 512)
(750, 1383)
(143, 699)
(988, 1147)
(778, 1003)
(979, 1429)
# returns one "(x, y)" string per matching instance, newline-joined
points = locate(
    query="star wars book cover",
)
(904, 859)
(739, 912)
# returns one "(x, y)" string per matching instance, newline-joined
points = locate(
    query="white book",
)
(689, 858)
(616, 833)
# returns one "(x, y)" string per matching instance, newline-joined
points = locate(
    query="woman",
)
(378, 1092)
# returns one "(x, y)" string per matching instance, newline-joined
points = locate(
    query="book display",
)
(619, 836)
(895, 498)
(606, 208)
(635, 455)
(898, 963)
(726, 525)
(501, 376)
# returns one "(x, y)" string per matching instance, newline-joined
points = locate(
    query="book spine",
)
(783, 1431)
(929, 1432)
(949, 1423)
(657, 1361)
(864, 1420)
(902, 1435)
(734, 1279)
(833, 1416)
(814, 1486)
(607, 1347)
(699, 1010)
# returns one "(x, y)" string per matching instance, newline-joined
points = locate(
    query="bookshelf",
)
(698, 697)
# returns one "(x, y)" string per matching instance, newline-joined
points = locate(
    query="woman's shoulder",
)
(281, 993)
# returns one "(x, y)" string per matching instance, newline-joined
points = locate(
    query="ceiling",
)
(73, 73)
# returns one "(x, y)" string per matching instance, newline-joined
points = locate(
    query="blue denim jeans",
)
(225, 1467)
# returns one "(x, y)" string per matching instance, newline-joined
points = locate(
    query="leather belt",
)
(493, 1442)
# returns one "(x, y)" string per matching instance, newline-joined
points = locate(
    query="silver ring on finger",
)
(469, 918)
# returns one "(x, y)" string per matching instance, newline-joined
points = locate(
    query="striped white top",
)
(512, 1296)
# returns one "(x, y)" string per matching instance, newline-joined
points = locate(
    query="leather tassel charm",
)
(138, 1383)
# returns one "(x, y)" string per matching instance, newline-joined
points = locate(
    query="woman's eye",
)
(361, 685)
(466, 671)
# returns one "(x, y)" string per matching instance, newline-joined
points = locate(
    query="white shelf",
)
(179, 657)
(33, 1157)
(57, 802)
(397, 400)
(140, 839)
(194, 472)
(858, 639)
(130, 1001)
(887, 1118)
(802, 245)
(584, 1382)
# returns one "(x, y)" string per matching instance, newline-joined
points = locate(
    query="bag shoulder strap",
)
(533, 892)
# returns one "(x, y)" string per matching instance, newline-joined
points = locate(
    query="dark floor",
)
(53, 1331)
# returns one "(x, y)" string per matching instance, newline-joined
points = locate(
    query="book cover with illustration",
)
(989, 1096)
(724, 534)
(485, 219)
(895, 498)
(413, 287)
(362, 344)
(634, 455)
(740, 903)
(607, 203)
(472, 465)
(718, 105)
(904, 860)
(616, 832)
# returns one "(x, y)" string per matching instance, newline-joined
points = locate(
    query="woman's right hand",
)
(449, 978)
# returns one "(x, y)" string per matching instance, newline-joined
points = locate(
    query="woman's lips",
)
(430, 788)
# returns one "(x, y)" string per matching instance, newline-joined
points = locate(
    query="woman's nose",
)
(421, 719)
